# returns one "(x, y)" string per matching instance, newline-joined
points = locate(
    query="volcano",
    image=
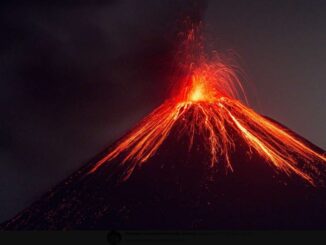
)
(201, 160)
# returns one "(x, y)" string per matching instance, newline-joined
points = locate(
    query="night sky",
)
(75, 77)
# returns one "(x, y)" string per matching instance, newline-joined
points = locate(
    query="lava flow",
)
(210, 93)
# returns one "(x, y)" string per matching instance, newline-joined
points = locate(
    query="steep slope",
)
(178, 189)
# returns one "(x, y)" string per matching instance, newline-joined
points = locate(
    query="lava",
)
(210, 92)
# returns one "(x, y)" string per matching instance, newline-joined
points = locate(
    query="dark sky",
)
(75, 77)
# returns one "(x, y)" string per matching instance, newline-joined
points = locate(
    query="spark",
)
(208, 103)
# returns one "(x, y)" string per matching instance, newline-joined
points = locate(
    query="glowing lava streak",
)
(207, 104)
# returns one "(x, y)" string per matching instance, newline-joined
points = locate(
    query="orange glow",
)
(197, 94)
(199, 90)
(208, 104)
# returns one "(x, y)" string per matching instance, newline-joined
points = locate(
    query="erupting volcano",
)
(202, 159)
(207, 103)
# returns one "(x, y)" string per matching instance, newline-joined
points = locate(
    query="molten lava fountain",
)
(209, 95)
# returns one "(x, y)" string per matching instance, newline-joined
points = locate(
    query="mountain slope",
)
(178, 189)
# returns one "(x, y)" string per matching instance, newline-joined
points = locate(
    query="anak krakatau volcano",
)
(203, 159)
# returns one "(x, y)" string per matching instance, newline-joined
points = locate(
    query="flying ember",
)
(211, 94)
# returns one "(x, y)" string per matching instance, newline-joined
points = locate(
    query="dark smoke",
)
(74, 77)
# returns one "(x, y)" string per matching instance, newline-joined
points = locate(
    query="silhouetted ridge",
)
(178, 189)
